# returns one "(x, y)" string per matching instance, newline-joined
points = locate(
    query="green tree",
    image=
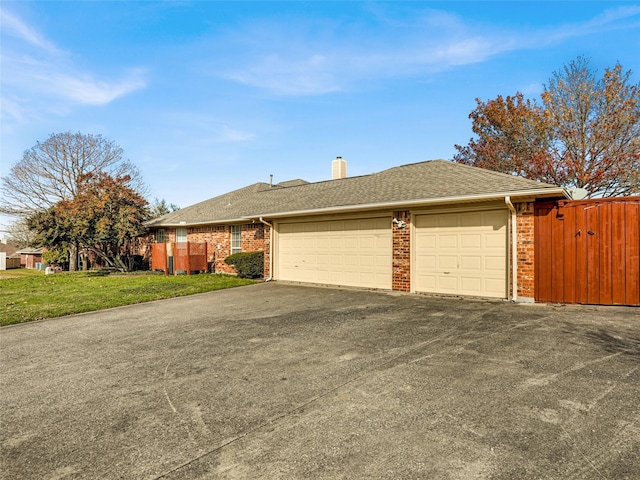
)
(104, 217)
(585, 132)
(157, 208)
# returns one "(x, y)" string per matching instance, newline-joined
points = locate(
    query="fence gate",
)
(182, 256)
(588, 251)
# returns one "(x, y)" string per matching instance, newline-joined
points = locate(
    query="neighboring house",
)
(29, 257)
(9, 258)
(434, 226)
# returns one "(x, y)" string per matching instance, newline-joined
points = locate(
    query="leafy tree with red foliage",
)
(104, 216)
(585, 133)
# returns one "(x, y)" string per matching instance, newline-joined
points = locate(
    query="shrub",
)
(247, 264)
(56, 256)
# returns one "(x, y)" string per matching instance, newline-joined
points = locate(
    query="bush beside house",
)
(247, 264)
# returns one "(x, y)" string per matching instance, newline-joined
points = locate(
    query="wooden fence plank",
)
(618, 267)
(592, 241)
(632, 253)
(604, 237)
(556, 248)
(581, 255)
(542, 267)
(570, 252)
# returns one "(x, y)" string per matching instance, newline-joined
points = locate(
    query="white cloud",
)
(88, 91)
(44, 79)
(304, 59)
(12, 25)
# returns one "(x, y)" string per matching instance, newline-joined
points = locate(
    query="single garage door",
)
(462, 253)
(354, 252)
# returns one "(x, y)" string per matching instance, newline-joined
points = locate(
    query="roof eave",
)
(537, 193)
(226, 221)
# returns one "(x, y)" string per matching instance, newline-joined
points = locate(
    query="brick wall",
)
(254, 238)
(218, 240)
(525, 249)
(401, 262)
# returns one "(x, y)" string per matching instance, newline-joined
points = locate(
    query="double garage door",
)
(453, 253)
(355, 252)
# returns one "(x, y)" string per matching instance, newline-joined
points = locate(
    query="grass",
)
(27, 295)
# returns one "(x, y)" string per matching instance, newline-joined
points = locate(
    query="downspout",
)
(514, 249)
(270, 225)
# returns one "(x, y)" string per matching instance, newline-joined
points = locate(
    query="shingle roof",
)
(425, 181)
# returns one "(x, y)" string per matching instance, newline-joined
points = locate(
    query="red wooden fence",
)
(187, 256)
(159, 257)
(588, 251)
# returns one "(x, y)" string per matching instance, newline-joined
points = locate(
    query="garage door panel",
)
(471, 263)
(461, 253)
(447, 262)
(350, 260)
(425, 241)
(448, 284)
(470, 284)
(447, 221)
(471, 240)
(494, 263)
(447, 241)
(495, 285)
(342, 252)
(470, 220)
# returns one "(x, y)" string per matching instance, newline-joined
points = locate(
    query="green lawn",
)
(27, 295)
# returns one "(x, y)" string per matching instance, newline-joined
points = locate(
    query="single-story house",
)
(434, 226)
(29, 257)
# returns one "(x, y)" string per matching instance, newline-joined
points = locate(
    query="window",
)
(181, 235)
(236, 239)
(160, 235)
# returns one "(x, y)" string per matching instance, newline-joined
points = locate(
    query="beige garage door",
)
(462, 253)
(338, 252)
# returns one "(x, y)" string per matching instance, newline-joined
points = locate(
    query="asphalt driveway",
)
(286, 381)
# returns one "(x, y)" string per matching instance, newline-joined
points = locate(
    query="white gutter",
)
(227, 221)
(514, 250)
(551, 192)
(270, 225)
(538, 193)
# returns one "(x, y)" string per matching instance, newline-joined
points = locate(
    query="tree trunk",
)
(73, 257)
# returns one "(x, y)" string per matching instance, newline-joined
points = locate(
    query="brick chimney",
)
(338, 169)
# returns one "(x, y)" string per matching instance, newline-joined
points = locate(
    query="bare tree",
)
(50, 171)
(20, 234)
(53, 171)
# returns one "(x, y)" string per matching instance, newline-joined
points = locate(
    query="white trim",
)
(231, 239)
(407, 204)
(395, 205)
(513, 271)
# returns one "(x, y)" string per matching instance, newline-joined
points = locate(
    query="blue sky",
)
(206, 97)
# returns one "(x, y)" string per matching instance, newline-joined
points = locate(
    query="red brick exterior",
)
(525, 249)
(29, 260)
(254, 238)
(401, 261)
